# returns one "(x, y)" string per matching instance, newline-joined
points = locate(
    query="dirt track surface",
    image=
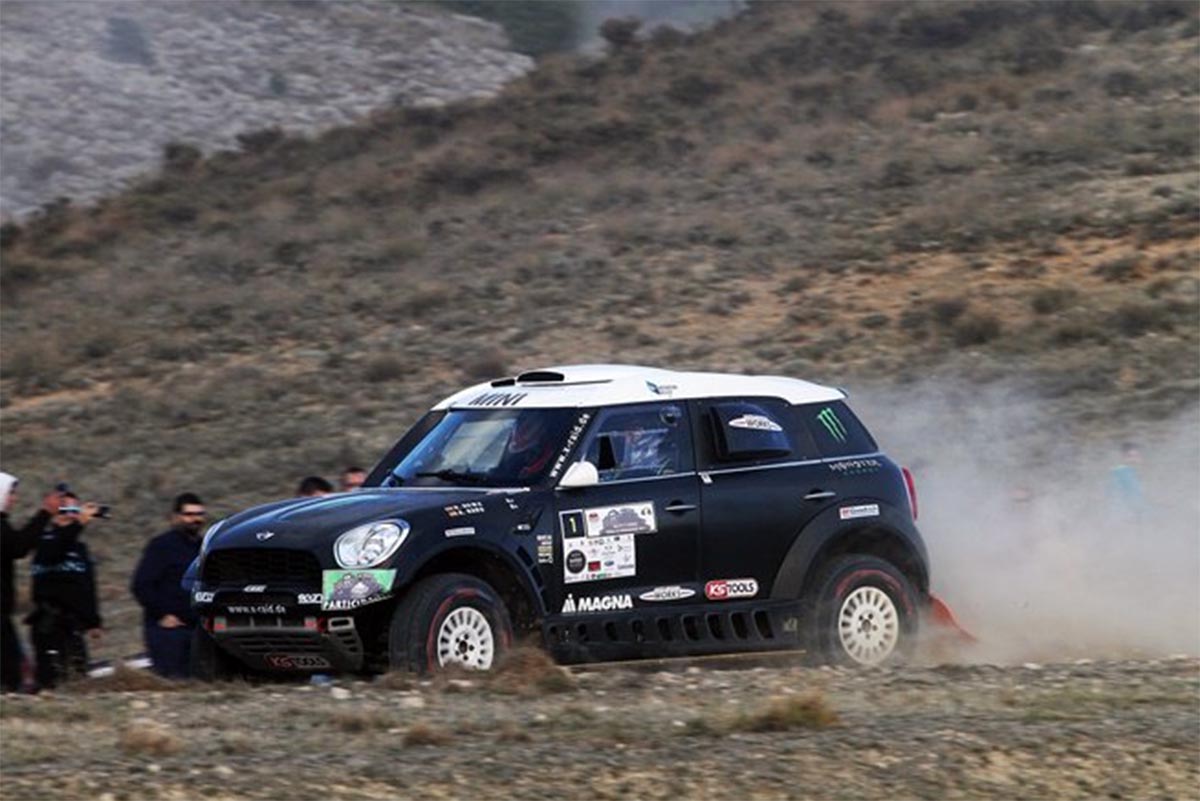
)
(1079, 730)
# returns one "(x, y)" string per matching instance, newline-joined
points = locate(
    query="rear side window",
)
(752, 431)
(836, 430)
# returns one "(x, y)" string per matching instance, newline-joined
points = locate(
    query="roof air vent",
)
(504, 382)
(540, 375)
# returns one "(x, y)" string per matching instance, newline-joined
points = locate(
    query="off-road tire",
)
(864, 612)
(419, 619)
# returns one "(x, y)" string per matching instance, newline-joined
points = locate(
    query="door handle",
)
(679, 507)
(820, 495)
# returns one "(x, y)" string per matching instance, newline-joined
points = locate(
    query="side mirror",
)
(580, 474)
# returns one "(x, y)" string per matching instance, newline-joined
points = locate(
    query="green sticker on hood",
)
(349, 589)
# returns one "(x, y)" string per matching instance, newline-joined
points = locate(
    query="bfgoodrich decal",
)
(865, 510)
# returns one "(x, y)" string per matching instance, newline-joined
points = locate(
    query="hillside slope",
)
(858, 194)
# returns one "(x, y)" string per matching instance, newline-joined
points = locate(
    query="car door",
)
(632, 538)
(761, 481)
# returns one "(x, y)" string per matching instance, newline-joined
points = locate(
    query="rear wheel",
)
(448, 620)
(209, 662)
(865, 612)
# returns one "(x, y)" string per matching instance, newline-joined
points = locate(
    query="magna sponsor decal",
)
(755, 422)
(864, 510)
(724, 589)
(667, 594)
(596, 603)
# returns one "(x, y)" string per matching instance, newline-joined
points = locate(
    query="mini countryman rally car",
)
(613, 512)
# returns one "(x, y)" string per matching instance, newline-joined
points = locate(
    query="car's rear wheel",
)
(209, 662)
(865, 612)
(449, 620)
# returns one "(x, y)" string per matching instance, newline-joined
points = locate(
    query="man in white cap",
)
(14, 544)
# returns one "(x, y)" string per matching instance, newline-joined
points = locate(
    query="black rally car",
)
(615, 512)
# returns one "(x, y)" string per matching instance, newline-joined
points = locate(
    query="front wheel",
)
(448, 620)
(865, 612)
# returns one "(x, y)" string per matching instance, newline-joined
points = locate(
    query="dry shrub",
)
(358, 721)
(810, 711)
(396, 680)
(149, 737)
(423, 734)
(527, 670)
(125, 679)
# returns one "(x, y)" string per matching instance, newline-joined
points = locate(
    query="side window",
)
(754, 431)
(640, 442)
(836, 430)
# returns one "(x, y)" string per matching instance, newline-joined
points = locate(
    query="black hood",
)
(310, 523)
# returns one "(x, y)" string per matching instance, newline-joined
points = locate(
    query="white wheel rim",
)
(868, 625)
(465, 638)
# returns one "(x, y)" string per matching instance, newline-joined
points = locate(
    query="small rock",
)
(340, 693)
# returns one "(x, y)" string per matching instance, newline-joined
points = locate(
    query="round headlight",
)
(370, 545)
(208, 535)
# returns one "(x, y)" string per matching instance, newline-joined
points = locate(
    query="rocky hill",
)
(92, 91)
(887, 197)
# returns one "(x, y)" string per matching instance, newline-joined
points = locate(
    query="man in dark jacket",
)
(64, 594)
(15, 543)
(168, 619)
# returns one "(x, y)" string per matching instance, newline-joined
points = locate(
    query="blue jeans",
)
(169, 649)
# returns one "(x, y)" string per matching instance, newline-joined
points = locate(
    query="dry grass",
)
(124, 680)
(422, 734)
(809, 711)
(358, 721)
(149, 738)
(528, 670)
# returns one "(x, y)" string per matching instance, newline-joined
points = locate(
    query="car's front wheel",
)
(864, 612)
(448, 620)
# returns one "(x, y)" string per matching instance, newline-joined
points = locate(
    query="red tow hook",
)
(939, 613)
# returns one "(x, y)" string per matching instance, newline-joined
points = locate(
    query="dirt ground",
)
(1122, 729)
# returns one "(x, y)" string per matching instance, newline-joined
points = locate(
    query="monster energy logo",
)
(832, 424)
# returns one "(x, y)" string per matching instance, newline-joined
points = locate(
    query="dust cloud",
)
(1031, 542)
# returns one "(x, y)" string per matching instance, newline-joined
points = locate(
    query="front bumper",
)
(289, 644)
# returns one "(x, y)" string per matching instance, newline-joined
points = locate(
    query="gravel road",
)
(1128, 729)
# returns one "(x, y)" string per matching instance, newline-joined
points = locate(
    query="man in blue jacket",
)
(168, 619)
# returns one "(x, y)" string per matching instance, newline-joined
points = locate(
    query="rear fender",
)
(890, 535)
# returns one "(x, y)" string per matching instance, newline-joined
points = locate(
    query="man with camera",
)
(64, 592)
(168, 618)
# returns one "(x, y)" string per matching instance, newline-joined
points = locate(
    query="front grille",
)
(262, 566)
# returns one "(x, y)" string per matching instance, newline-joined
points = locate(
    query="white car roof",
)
(591, 385)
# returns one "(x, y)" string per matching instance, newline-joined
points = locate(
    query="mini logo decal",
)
(263, 536)
(865, 510)
(674, 593)
(755, 422)
(600, 603)
(724, 589)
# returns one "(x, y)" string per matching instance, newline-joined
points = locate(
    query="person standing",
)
(352, 478)
(15, 543)
(64, 594)
(167, 616)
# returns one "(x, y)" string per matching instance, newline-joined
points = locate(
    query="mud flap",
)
(947, 624)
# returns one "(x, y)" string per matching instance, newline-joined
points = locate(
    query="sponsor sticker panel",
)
(599, 558)
(729, 589)
(596, 603)
(862, 510)
(628, 518)
(350, 589)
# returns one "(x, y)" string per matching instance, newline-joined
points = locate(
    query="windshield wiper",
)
(454, 475)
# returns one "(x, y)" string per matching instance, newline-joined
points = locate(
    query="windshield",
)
(487, 448)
